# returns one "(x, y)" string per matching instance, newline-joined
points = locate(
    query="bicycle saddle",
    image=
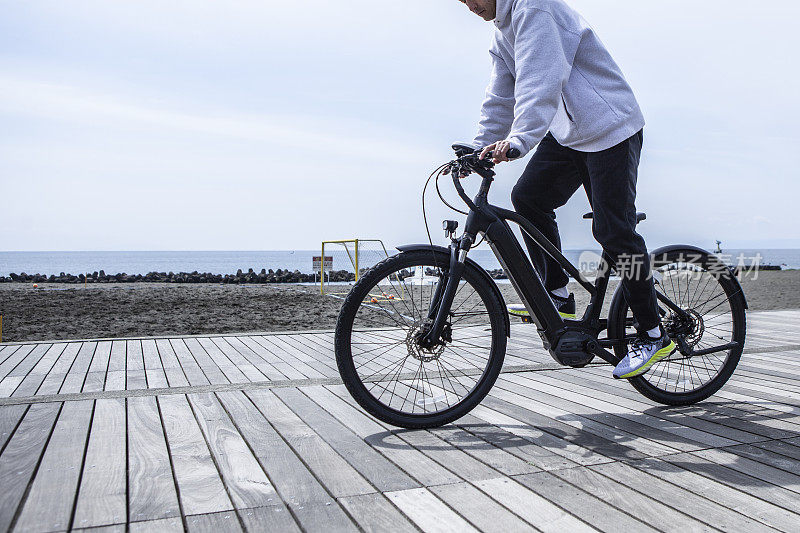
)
(639, 216)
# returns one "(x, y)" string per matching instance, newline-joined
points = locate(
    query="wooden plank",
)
(609, 439)
(279, 364)
(153, 369)
(118, 358)
(117, 528)
(151, 487)
(585, 505)
(485, 451)
(579, 449)
(369, 463)
(516, 445)
(247, 483)
(200, 487)
(321, 517)
(701, 509)
(606, 420)
(268, 519)
(49, 378)
(76, 376)
(10, 416)
(751, 421)
(323, 361)
(134, 366)
(728, 496)
(480, 509)
(373, 512)
(537, 511)
(172, 367)
(6, 351)
(213, 523)
(210, 368)
(9, 385)
(601, 387)
(134, 357)
(444, 453)
(15, 355)
(232, 373)
(789, 448)
(48, 505)
(290, 355)
(731, 475)
(330, 468)
(428, 512)
(770, 474)
(418, 465)
(164, 525)
(116, 379)
(96, 378)
(21, 456)
(766, 457)
(194, 374)
(295, 484)
(269, 371)
(29, 361)
(102, 355)
(102, 497)
(249, 370)
(291, 366)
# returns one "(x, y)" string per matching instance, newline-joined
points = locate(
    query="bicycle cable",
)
(437, 173)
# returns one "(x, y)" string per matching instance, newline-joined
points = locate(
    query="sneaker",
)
(643, 354)
(565, 306)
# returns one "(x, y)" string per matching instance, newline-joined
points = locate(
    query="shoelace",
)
(640, 342)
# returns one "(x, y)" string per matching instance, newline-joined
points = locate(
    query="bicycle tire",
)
(734, 304)
(488, 296)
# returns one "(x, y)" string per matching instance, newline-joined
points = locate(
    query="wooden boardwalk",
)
(256, 433)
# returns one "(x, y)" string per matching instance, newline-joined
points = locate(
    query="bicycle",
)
(421, 337)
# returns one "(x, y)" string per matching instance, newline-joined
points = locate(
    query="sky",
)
(266, 125)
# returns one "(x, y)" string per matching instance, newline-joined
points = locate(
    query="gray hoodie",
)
(551, 72)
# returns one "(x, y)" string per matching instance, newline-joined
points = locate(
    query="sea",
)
(227, 262)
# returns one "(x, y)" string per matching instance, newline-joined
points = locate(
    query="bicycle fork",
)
(445, 292)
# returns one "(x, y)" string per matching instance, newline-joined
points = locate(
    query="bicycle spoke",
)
(397, 372)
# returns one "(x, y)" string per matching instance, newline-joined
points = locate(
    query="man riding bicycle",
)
(555, 85)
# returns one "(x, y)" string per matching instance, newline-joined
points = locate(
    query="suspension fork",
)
(442, 301)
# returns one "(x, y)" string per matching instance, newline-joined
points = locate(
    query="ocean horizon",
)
(228, 262)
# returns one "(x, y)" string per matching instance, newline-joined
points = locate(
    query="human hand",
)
(499, 151)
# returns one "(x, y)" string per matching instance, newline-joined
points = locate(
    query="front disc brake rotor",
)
(417, 331)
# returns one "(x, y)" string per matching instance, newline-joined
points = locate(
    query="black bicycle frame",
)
(492, 222)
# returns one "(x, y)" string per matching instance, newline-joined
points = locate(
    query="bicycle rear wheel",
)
(378, 355)
(703, 287)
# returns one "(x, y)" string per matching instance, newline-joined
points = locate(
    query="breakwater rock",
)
(251, 276)
(264, 276)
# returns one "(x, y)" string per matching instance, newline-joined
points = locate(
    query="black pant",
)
(609, 177)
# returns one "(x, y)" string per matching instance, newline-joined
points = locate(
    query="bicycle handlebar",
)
(470, 162)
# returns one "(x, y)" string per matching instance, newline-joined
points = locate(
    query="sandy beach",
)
(58, 311)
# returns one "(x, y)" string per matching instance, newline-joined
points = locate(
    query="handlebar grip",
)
(513, 153)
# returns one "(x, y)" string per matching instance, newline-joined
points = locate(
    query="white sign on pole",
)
(327, 266)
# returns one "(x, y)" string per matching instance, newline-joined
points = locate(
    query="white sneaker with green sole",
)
(643, 354)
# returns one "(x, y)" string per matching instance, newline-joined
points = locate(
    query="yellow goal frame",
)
(353, 257)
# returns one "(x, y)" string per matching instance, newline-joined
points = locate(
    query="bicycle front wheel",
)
(381, 361)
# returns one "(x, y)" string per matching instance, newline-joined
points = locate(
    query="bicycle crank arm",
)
(594, 347)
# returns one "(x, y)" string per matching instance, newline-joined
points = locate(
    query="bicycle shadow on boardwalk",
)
(734, 443)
